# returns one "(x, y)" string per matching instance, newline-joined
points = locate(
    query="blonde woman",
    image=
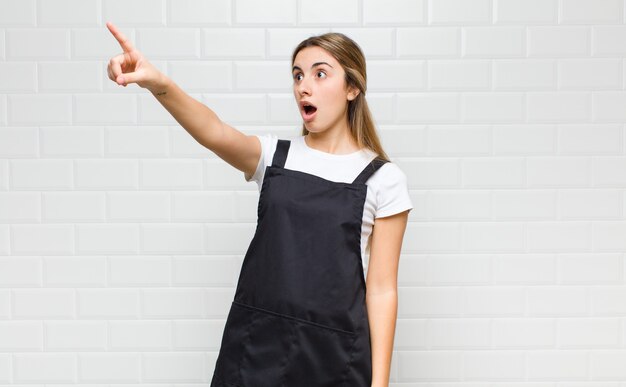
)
(301, 315)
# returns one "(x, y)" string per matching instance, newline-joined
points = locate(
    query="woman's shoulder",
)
(269, 141)
(388, 174)
(269, 144)
(391, 190)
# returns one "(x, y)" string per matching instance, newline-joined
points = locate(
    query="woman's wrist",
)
(161, 87)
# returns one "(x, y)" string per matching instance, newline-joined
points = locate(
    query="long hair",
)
(349, 55)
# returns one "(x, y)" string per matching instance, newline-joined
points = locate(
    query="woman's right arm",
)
(236, 148)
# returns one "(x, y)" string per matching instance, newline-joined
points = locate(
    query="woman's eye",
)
(297, 75)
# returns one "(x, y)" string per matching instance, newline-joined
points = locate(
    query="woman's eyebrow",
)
(313, 65)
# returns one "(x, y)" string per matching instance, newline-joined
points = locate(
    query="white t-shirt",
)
(387, 189)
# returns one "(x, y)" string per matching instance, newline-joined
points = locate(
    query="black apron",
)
(299, 316)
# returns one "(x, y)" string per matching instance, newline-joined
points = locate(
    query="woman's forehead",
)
(311, 55)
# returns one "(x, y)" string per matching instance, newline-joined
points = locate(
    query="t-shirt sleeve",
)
(393, 193)
(268, 146)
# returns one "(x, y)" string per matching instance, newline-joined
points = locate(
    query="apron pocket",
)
(266, 349)
(231, 350)
(320, 357)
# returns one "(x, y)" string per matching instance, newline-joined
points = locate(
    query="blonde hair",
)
(349, 55)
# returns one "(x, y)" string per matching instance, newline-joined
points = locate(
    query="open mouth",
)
(308, 111)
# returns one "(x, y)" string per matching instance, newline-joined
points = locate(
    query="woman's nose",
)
(303, 86)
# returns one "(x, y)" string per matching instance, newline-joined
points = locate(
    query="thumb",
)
(126, 78)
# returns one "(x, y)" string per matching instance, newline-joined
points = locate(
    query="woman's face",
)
(319, 79)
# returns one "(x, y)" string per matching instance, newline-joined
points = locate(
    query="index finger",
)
(123, 41)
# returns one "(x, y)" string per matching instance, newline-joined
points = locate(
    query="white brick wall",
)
(121, 238)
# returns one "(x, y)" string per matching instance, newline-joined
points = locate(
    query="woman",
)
(301, 315)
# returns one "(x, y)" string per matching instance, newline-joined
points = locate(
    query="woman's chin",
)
(310, 126)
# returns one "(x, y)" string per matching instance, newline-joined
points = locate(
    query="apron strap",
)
(280, 155)
(369, 170)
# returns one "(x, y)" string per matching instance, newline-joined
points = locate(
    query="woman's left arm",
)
(382, 291)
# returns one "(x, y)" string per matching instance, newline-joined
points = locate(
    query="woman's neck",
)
(335, 144)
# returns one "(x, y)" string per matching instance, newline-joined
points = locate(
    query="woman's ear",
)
(353, 93)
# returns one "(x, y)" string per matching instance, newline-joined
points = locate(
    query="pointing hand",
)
(131, 66)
